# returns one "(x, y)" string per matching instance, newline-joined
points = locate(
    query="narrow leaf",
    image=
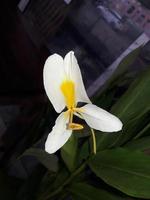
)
(133, 109)
(135, 100)
(122, 68)
(145, 131)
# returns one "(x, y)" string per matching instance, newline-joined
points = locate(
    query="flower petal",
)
(99, 119)
(73, 73)
(53, 75)
(59, 134)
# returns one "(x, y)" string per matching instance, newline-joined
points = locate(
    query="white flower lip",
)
(64, 87)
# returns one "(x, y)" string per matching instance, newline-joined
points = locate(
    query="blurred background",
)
(100, 32)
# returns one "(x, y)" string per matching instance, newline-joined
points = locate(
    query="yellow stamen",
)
(74, 126)
(68, 90)
(94, 141)
(71, 116)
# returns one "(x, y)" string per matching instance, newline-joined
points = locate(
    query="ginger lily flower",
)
(64, 87)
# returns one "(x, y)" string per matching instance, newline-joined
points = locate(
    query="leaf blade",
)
(85, 191)
(48, 160)
(69, 152)
(125, 170)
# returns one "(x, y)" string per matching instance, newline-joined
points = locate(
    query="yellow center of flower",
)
(68, 90)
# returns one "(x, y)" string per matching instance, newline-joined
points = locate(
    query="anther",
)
(74, 126)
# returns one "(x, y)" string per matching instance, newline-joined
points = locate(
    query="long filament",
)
(94, 141)
(71, 117)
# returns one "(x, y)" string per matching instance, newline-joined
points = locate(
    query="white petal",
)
(99, 119)
(73, 72)
(53, 75)
(59, 134)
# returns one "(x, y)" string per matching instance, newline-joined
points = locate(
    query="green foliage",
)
(69, 152)
(50, 182)
(139, 144)
(84, 152)
(120, 71)
(133, 109)
(83, 191)
(46, 185)
(108, 92)
(128, 171)
(49, 161)
(144, 131)
(135, 100)
(62, 175)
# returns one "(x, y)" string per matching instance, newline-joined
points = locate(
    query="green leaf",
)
(139, 144)
(116, 139)
(69, 152)
(48, 160)
(121, 69)
(133, 107)
(135, 100)
(128, 171)
(83, 191)
(84, 151)
(46, 185)
(62, 176)
(125, 63)
(105, 140)
(145, 131)
(106, 99)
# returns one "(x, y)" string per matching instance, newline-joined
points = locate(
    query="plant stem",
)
(59, 189)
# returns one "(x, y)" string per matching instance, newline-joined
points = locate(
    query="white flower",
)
(64, 87)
